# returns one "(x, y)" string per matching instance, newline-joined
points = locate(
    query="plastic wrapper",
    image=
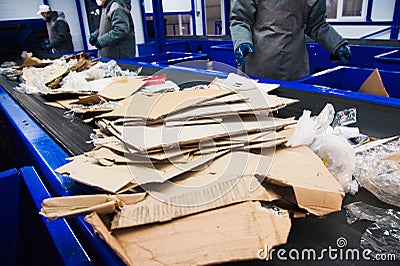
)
(8, 64)
(359, 210)
(378, 170)
(345, 117)
(75, 81)
(339, 157)
(334, 150)
(383, 237)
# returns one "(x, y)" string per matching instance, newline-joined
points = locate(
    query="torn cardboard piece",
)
(146, 138)
(315, 189)
(374, 85)
(86, 170)
(227, 180)
(121, 88)
(62, 207)
(233, 233)
(157, 106)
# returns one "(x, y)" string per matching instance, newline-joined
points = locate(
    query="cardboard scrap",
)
(374, 85)
(121, 88)
(315, 189)
(86, 170)
(157, 106)
(227, 180)
(233, 233)
(146, 138)
(61, 207)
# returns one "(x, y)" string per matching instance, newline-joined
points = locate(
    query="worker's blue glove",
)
(241, 51)
(98, 46)
(92, 40)
(46, 46)
(344, 54)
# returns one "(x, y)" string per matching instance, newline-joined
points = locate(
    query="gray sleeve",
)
(95, 34)
(242, 21)
(120, 28)
(318, 29)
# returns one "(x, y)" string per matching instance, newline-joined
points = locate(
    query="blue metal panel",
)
(369, 10)
(169, 58)
(193, 14)
(9, 196)
(388, 61)
(394, 35)
(159, 26)
(203, 17)
(346, 81)
(69, 247)
(81, 24)
(227, 5)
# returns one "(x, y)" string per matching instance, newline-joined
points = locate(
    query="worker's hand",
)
(92, 40)
(46, 46)
(241, 51)
(344, 54)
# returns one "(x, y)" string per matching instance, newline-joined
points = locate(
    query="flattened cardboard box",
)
(227, 180)
(315, 189)
(227, 234)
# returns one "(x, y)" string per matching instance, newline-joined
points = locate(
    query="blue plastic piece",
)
(388, 61)
(350, 79)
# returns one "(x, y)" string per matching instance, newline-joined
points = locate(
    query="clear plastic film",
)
(359, 210)
(345, 117)
(383, 237)
(378, 170)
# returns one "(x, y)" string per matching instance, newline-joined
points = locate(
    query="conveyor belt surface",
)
(312, 232)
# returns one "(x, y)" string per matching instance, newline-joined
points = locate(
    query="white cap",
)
(43, 8)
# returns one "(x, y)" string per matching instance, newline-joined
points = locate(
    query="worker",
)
(115, 37)
(60, 39)
(269, 36)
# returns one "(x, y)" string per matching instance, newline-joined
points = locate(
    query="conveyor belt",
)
(312, 232)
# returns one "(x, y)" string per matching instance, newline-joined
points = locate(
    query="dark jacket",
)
(59, 33)
(116, 34)
(277, 29)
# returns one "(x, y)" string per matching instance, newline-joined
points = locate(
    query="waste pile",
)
(199, 175)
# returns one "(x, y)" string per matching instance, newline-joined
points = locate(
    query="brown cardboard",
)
(86, 170)
(157, 106)
(374, 85)
(227, 234)
(146, 138)
(228, 179)
(61, 207)
(257, 100)
(121, 88)
(315, 189)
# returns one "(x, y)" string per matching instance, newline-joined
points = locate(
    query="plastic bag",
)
(339, 157)
(378, 170)
(334, 150)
